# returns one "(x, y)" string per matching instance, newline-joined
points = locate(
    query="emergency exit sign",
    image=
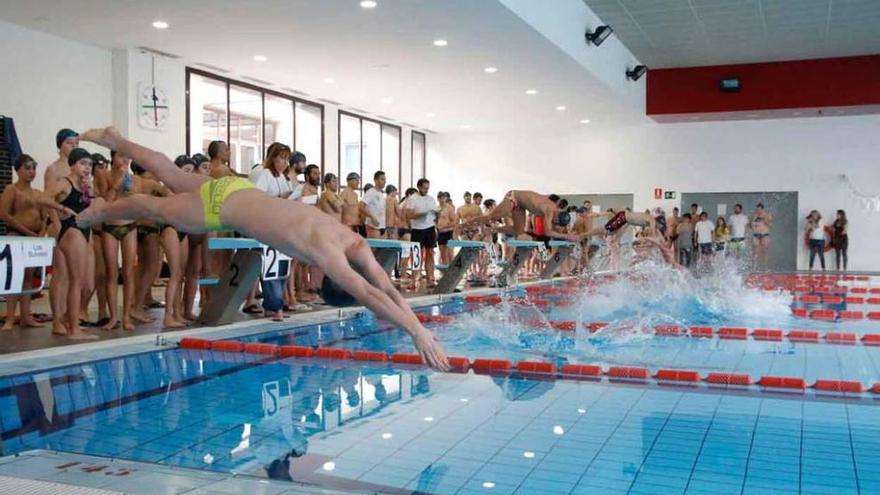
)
(669, 195)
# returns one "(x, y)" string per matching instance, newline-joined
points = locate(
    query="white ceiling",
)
(371, 55)
(685, 33)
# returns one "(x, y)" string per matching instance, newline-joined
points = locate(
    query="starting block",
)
(522, 254)
(388, 251)
(253, 260)
(561, 250)
(18, 253)
(468, 253)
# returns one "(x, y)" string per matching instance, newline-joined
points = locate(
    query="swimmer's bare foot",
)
(141, 317)
(107, 137)
(31, 323)
(113, 324)
(127, 324)
(93, 214)
(8, 324)
(76, 333)
(59, 328)
(170, 322)
(189, 317)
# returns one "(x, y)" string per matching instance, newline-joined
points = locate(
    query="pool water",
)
(396, 429)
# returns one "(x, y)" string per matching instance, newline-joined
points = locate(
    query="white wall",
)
(48, 83)
(804, 155)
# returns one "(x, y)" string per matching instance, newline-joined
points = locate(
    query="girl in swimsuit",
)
(112, 185)
(74, 243)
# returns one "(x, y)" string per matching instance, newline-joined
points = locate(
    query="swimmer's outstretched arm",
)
(160, 165)
(375, 291)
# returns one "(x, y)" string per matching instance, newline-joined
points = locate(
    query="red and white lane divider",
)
(546, 370)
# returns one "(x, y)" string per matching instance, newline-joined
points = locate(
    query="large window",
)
(366, 146)
(249, 119)
(419, 147)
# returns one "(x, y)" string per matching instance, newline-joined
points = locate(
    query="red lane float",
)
(539, 367)
(629, 372)
(191, 343)
(823, 314)
(481, 365)
(839, 386)
(851, 315)
(581, 370)
(873, 300)
(858, 300)
(677, 375)
(841, 338)
(375, 356)
(799, 312)
(729, 379)
(767, 335)
(227, 346)
(667, 330)
(458, 364)
(296, 351)
(874, 315)
(803, 336)
(332, 353)
(783, 382)
(871, 339)
(258, 348)
(733, 333)
(403, 358)
(701, 332)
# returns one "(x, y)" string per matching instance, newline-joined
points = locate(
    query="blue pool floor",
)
(393, 430)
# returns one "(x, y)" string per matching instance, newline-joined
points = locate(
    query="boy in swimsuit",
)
(762, 220)
(298, 230)
(515, 206)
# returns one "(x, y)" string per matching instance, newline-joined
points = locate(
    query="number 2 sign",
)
(276, 265)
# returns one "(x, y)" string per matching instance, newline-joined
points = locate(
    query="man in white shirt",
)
(703, 230)
(421, 210)
(374, 199)
(738, 223)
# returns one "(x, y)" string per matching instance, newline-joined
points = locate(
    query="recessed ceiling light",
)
(490, 70)
(561, 108)
(440, 42)
(160, 24)
(430, 115)
(368, 4)
(585, 121)
(531, 91)
(260, 58)
(329, 80)
(387, 100)
(465, 126)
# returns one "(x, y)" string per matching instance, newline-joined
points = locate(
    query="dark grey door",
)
(604, 201)
(783, 205)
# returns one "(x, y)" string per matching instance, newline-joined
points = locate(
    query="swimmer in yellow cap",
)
(202, 204)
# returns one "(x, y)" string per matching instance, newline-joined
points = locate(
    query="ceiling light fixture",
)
(599, 35)
(490, 70)
(368, 4)
(585, 121)
(465, 126)
(531, 91)
(636, 72)
(440, 42)
(488, 484)
(329, 80)
(329, 466)
(561, 108)
(387, 100)
(260, 58)
(430, 115)
(160, 24)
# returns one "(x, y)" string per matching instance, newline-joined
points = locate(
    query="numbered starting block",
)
(252, 260)
(561, 250)
(388, 251)
(523, 251)
(19, 253)
(468, 253)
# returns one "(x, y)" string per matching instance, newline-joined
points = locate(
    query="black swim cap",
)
(62, 135)
(334, 295)
(182, 160)
(199, 159)
(76, 155)
(98, 159)
(23, 160)
(562, 218)
(136, 169)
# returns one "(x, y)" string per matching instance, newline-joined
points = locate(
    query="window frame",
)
(382, 124)
(229, 82)
(412, 140)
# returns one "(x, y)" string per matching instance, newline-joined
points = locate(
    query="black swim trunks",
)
(616, 223)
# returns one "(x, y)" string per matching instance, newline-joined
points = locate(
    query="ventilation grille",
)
(159, 52)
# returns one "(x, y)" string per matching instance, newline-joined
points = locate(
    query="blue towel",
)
(11, 140)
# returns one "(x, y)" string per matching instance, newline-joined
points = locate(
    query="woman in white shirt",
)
(271, 179)
(816, 238)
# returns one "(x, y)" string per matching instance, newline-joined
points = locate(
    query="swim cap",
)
(199, 159)
(390, 189)
(64, 134)
(98, 159)
(562, 218)
(136, 169)
(23, 160)
(76, 155)
(182, 160)
(334, 295)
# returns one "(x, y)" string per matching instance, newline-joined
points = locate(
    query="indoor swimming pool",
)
(652, 382)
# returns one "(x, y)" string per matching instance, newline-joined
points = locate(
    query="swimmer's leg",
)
(183, 211)
(153, 161)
